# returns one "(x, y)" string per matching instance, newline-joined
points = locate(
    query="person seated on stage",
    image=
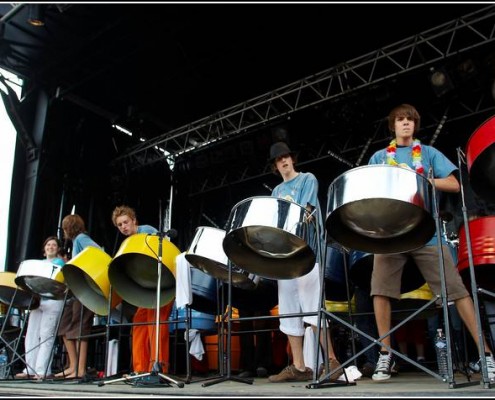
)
(42, 323)
(77, 320)
(143, 336)
(406, 151)
(301, 294)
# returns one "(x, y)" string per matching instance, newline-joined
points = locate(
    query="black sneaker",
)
(382, 369)
(262, 372)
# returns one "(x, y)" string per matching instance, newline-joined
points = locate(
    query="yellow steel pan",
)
(133, 272)
(10, 292)
(86, 275)
(413, 300)
(340, 306)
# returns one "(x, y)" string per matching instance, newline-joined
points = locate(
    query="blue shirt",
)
(432, 159)
(146, 229)
(80, 242)
(302, 189)
(58, 261)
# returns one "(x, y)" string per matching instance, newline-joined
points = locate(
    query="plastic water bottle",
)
(441, 350)
(3, 363)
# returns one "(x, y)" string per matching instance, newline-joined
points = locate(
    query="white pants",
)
(298, 295)
(40, 336)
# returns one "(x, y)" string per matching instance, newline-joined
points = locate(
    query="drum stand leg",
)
(156, 371)
(323, 313)
(228, 376)
(14, 349)
(474, 290)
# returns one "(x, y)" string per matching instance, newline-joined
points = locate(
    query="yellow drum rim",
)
(146, 244)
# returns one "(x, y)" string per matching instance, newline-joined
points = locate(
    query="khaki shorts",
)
(387, 272)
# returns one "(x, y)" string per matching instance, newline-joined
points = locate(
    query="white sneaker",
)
(490, 366)
(382, 369)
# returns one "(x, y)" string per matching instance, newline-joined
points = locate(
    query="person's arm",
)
(448, 184)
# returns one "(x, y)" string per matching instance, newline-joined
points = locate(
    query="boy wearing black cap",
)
(301, 294)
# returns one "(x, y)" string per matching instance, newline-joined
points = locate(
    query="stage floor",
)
(407, 384)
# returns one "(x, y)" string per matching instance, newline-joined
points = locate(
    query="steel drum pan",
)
(263, 298)
(380, 209)
(361, 268)
(87, 278)
(10, 292)
(43, 278)
(206, 253)
(271, 238)
(133, 272)
(336, 306)
(482, 237)
(204, 292)
(336, 282)
(480, 160)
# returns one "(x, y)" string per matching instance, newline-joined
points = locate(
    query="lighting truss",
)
(419, 51)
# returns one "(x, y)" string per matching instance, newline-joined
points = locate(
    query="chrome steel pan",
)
(42, 277)
(206, 253)
(380, 209)
(271, 237)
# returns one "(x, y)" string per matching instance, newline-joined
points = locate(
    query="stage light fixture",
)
(36, 14)
(440, 81)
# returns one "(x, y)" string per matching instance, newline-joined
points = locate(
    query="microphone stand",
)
(156, 371)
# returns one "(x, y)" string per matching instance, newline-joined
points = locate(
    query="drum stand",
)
(228, 376)
(8, 345)
(317, 384)
(443, 297)
(155, 372)
(474, 288)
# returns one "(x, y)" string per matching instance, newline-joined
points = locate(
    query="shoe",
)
(246, 374)
(383, 367)
(394, 369)
(368, 369)
(292, 374)
(490, 366)
(22, 375)
(262, 372)
(334, 366)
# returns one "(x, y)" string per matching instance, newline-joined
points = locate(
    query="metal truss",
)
(437, 44)
(351, 152)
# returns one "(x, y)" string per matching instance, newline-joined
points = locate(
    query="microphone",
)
(172, 233)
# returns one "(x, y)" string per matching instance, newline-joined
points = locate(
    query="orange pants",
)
(143, 339)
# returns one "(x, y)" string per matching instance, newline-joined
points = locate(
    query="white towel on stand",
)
(309, 349)
(196, 347)
(112, 358)
(183, 291)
